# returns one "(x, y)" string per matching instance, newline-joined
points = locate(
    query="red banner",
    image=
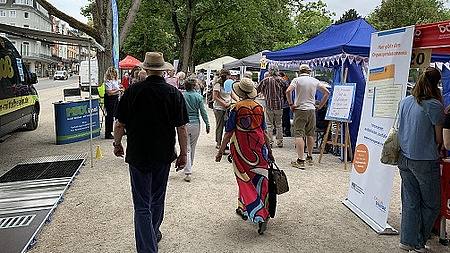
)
(433, 35)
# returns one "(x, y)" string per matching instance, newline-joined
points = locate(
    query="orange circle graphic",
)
(361, 158)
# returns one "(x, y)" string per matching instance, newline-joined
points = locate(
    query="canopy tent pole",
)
(90, 103)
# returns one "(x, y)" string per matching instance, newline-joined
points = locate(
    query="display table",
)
(72, 120)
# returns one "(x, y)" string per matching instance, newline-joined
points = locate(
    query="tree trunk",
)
(105, 59)
(187, 48)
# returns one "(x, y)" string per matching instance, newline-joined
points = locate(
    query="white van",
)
(83, 80)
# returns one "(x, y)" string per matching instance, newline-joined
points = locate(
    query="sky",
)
(363, 7)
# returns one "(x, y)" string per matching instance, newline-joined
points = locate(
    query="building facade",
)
(37, 55)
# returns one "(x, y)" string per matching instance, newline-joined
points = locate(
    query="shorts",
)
(304, 123)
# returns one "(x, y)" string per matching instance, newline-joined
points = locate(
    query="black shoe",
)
(262, 226)
(158, 236)
(109, 136)
(240, 213)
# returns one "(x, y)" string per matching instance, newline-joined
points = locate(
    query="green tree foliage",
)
(201, 30)
(398, 13)
(348, 15)
(311, 18)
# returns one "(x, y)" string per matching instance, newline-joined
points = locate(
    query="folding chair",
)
(72, 92)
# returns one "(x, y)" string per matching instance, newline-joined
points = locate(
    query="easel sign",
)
(340, 104)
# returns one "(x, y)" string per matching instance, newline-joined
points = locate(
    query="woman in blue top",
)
(421, 116)
(194, 105)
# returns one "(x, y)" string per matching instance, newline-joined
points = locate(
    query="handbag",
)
(391, 147)
(279, 178)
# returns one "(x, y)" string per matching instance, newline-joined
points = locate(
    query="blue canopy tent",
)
(342, 46)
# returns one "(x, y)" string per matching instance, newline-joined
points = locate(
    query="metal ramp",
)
(29, 193)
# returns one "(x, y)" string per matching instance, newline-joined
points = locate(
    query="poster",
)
(370, 186)
(340, 103)
(73, 121)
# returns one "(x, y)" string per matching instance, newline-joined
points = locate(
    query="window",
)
(26, 2)
(26, 15)
(25, 48)
(2, 1)
(12, 13)
(26, 26)
(2, 13)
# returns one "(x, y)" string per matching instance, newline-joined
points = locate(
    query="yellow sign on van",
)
(12, 104)
(6, 69)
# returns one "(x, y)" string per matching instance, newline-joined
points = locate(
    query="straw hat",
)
(245, 88)
(155, 61)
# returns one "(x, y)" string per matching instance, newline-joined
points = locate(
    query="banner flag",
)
(115, 33)
(371, 181)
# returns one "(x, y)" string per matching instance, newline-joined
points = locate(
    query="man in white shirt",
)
(304, 108)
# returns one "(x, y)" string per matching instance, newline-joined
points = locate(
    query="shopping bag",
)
(391, 148)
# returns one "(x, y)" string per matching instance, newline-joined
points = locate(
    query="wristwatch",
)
(117, 145)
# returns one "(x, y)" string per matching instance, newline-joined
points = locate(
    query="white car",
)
(61, 75)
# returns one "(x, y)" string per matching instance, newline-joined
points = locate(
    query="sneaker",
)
(423, 249)
(280, 144)
(300, 164)
(187, 178)
(309, 159)
(405, 247)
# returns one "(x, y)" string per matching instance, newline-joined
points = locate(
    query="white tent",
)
(216, 64)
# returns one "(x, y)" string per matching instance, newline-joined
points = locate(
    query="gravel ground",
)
(97, 212)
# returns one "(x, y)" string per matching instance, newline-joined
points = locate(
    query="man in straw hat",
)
(304, 108)
(150, 111)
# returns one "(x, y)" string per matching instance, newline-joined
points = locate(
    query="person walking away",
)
(272, 89)
(286, 118)
(251, 153)
(150, 111)
(421, 116)
(194, 105)
(112, 91)
(222, 100)
(304, 108)
(125, 81)
(172, 79)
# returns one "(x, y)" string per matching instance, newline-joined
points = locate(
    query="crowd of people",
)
(248, 114)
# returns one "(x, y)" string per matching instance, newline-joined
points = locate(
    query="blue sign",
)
(115, 33)
(72, 121)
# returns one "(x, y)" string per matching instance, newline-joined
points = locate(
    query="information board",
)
(340, 104)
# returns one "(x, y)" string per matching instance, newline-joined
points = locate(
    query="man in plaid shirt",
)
(272, 89)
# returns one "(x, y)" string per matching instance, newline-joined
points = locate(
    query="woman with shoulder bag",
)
(250, 152)
(421, 116)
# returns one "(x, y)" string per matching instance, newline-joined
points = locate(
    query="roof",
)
(47, 36)
(252, 61)
(128, 62)
(216, 64)
(352, 37)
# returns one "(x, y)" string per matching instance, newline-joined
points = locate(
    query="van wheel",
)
(33, 124)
